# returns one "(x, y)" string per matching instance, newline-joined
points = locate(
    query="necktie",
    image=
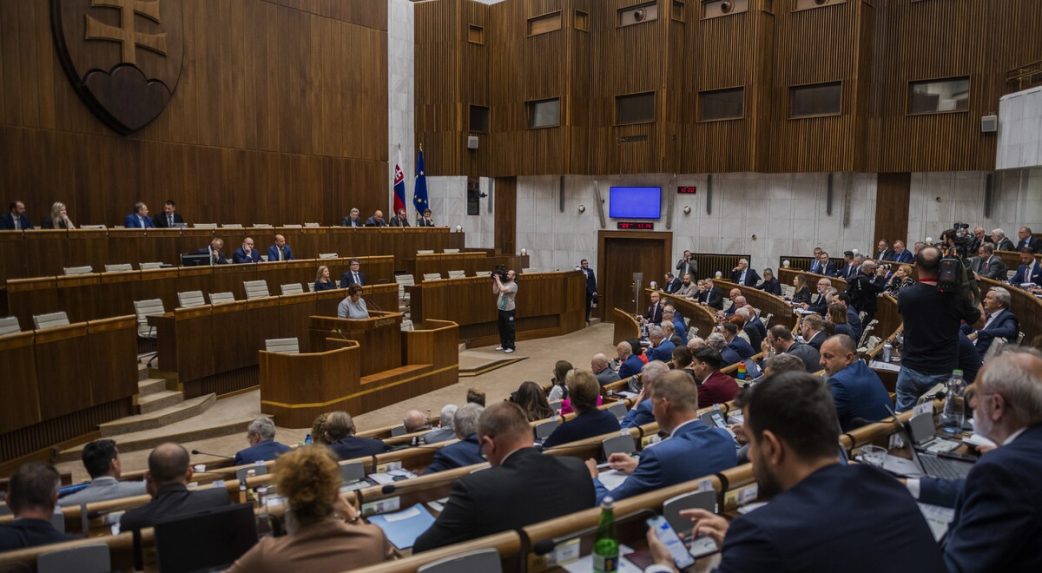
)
(356, 278)
(281, 256)
(169, 220)
(17, 222)
(140, 222)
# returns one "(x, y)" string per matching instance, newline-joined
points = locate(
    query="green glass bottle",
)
(606, 546)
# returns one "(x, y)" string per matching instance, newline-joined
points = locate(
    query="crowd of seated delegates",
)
(584, 394)
(466, 451)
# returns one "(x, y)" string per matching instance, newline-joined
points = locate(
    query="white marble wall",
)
(401, 92)
(937, 200)
(1020, 130)
(785, 212)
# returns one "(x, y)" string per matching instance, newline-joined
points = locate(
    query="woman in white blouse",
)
(354, 305)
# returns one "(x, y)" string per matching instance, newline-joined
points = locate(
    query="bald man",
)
(168, 473)
(601, 367)
(280, 251)
(630, 363)
(857, 391)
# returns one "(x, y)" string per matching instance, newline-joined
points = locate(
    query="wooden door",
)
(622, 253)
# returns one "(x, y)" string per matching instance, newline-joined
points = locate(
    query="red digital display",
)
(687, 190)
(635, 226)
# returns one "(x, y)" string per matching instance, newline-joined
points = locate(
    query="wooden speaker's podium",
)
(380, 337)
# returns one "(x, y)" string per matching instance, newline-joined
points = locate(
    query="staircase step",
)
(159, 400)
(150, 386)
(142, 371)
(146, 440)
(159, 418)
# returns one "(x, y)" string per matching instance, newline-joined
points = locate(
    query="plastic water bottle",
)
(954, 404)
(308, 440)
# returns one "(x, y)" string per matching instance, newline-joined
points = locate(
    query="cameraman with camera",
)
(503, 285)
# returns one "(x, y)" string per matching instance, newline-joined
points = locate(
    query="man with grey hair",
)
(743, 275)
(669, 332)
(1001, 241)
(814, 331)
(782, 363)
(661, 346)
(415, 420)
(999, 321)
(998, 508)
(1027, 241)
(465, 452)
(641, 413)
(601, 368)
(716, 341)
(444, 431)
(263, 447)
(986, 264)
(864, 288)
(697, 343)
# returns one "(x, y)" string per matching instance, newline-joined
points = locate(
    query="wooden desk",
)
(701, 317)
(475, 263)
(380, 336)
(548, 304)
(627, 327)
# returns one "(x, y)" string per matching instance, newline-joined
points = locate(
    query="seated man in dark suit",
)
(735, 344)
(353, 276)
(641, 413)
(445, 431)
(661, 347)
(340, 435)
(986, 264)
(139, 219)
(999, 321)
(400, 219)
(216, 252)
(692, 449)
(1029, 270)
(779, 337)
(819, 302)
(169, 218)
(1001, 241)
(427, 220)
(857, 391)
(825, 265)
(601, 368)
(669, 314)
(883, 250)
(583, 391)
(15, 219)
(671, 283)
(714, 296)
(377, 220)
(31, 496)
(263, 447)
(353, 220)
(770, 283)
(814, 331)
(246, 253)
(280, 251)
(820, 508)
(1025, 240)
(168, 472)
(629, 363)
(654, 312)
(900, 254)
(863, 289)
(744, 275)
(522, 487)
(465, 452)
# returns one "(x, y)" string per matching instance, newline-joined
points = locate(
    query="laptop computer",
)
(929, 463)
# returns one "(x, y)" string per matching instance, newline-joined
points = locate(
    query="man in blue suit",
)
(263, 447)
(139, 219)
(998, 509)
(591, 285)
(670, 314)
(661, 347)
(465, 452)
(1029, 270)
(15, 219)
(825, 266)
(642, 413)
(280, 251)
(999, 321)
(629, 362)
(820, 509)
(900, 253)
(340, 434)
(692, 449)
(735, 344)
(353, 276)
(246, 253)
(856, 389)
(1025, 240)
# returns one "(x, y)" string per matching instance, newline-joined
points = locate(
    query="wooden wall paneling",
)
(28, 297)
(437, 69)
(47, 252)
(67, 382)
(13, 253)
(506, 218)
(892, 196)
(473, 88)
(112, 345)
(77, 294)
(21, 404)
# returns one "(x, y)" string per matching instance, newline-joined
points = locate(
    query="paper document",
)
(403, 527)
(938, 517)
(611, 479)
(886, 366)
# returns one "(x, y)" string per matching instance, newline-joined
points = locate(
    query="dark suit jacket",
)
(772, 286)
(1022, 275)
(7, 222)
(673, 285)
(828, 270)
(850, 505)
(262, 452)
(591, 281)
(1005, 245)
(527, 488)
(173, 500)
(240, 256)
(355, 447)
(998, 513)
(424, 223)
(1003, 326)
(347, 279)
(817, 341)
(693, 451)
(49, 224)
(399, 221)
(160, 220)
(466, 452)
(863, 291)
(586, 425)
(992, 267)
(221, 260)
(818, 305)
(904, 257)
(349, 222)
(684, 267)
(885, 255)
(373, 222)
(631, 366)
(858, 392)
(751, 278)
(273, 253)
(808, 354)
(638, 415)
(22, 533)
(715, 298)
(755, 338)
(131, 221)
(1031, 243)
(653, 313)
(663, 352)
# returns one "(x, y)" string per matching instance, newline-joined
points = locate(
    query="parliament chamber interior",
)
(399, 286)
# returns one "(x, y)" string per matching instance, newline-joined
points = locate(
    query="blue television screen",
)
(635, 203)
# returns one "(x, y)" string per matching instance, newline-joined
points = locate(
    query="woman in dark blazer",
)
(323, 280)
(803, 292)
(770, 284)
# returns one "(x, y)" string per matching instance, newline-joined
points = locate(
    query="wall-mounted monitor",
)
(635, 203)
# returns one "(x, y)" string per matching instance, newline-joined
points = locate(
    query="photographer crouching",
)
(503, 285)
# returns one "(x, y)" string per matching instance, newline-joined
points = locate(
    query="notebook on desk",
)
(403, 527)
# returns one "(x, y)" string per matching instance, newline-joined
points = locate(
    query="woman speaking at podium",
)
(353, 306)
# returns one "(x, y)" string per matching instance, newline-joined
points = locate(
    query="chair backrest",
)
(92, 558)
(144, 309)
(327, 255)
(621, 444)
(619, 409)
(256, 289)
(672, 507)
(205, 225)
(50, 320)
(231, 226)
(86, 269)
(262, 225)
(283, 345)
(425, 252)
(149, 266)
(544, 429)
(527, 270)
(221, 297)
(480, 561)
(121, 267)
(432, 276)
(9, 325)
(450, 251)
(292, 288)
(397, 431)
(405, 279)
(292, 226)
(311, 225)
(457, 274)
(555, 405)
(190, 298)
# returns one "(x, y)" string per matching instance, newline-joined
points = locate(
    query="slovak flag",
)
(399, 185)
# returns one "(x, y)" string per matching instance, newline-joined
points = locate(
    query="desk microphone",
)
(544, 546)
(197, 453)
